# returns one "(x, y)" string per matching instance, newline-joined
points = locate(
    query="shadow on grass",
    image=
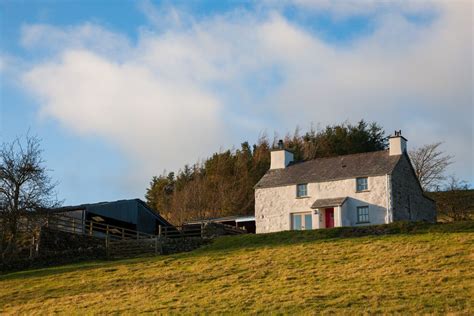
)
(251, 241)
(72, 267)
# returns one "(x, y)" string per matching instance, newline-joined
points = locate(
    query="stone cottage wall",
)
(273, 206)
(409, 203)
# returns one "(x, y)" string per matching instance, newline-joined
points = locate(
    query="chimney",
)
(280, 157)
(397, 144)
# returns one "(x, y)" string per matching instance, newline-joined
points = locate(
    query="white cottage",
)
(351, 190)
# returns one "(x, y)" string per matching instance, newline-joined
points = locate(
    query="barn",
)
(132, 214)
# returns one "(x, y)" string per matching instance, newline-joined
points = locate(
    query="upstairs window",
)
(301, 190)
(362, 184)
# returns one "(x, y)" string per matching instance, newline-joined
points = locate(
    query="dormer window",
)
(362, 184)
(302, 190)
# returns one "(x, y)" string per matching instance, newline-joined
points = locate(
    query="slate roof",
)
(329, 202)
(332, 168)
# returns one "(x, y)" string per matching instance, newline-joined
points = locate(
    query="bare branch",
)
(25, 185)
(430, 165)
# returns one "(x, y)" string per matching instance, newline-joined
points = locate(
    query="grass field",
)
(428, 270)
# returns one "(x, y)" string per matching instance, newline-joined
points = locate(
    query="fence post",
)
(107, 231)
(32, 247)
(202, 230)
(156, 245)
(73, 226)
(159, 230)
(138, 235)
(37, 247)
(123, 233)
(90, 227)
(107, 246)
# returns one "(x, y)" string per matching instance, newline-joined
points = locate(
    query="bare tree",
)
(456, 201)
(430, 165)
(25, 187)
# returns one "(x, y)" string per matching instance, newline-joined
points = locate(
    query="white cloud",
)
(164, 17)
(183, 91)
(156, 122)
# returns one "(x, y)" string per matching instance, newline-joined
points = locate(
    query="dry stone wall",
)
(56, 247)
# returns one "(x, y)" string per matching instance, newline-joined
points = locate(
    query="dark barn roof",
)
(332, 168)
(126, 210)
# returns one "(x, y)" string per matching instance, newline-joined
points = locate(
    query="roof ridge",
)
(355, 154)
(103, 202)
(339, 156)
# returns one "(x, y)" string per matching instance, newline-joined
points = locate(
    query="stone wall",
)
(273, 206)
(409, 203)
(53, 242)
(176, 245)
(55, 247)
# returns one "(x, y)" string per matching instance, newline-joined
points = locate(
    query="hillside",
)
(426, 269)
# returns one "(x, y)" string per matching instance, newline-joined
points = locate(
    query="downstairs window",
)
(363, 214)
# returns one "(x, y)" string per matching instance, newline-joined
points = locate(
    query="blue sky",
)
(120, 91)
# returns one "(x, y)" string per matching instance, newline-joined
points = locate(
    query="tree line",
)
(223, 184)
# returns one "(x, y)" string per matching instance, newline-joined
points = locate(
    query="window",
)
(362, 184)
(302, 221)
(301, 190)
(363, 214)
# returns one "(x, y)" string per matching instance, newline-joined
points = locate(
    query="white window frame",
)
(364, 207)
(366, 183)
(303, 220)
(298, 191)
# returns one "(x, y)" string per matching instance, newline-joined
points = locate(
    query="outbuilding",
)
(244, 222)
(132, 214)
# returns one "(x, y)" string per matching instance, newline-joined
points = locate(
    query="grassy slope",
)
(428, 271)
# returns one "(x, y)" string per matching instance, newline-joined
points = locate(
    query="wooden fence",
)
(80, 226)
(118, 241)
(92, 228)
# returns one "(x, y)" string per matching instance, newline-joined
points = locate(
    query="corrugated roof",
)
(237, 218)
(331, 168)
(329, 202)
(123, 207)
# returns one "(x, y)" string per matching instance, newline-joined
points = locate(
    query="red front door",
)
(329, 217)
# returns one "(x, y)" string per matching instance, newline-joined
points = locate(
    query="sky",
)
(120, 91)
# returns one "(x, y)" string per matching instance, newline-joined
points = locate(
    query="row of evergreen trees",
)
(222, 185)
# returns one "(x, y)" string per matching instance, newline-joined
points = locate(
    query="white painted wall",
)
(280, 159)
(274, 206)
(397, 145)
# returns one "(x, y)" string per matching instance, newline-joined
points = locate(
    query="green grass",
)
(415, 269)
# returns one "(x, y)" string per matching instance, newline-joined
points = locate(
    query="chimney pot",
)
(280, 144)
